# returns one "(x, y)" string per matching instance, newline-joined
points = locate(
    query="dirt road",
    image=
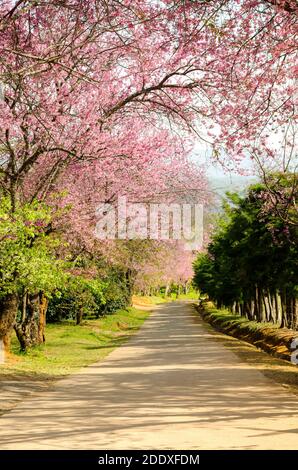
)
(171, 386)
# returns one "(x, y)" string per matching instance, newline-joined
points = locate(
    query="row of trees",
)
(251, 265)
(84, 117)
(102, 98)
(170, 270)
(43, 275)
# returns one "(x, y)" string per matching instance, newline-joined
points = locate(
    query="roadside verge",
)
(68, 348)
(266, 336)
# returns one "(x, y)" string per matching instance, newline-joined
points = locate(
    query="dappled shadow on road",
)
(171, 377)
(278, 370)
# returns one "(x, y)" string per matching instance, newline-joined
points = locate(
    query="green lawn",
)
(159, 299)
(149, 300)
(190, 296)
(69, 347)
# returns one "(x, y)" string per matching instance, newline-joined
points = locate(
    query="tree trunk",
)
(272, 314)
(129, 277)
(80, 313)
(253, 309)
(261, 305)
(6, 342)
(27, 329)
(167, 290)
(8, 314)
(266, 307)
(295, 313)
(43, 306)
(186, 288)
(247, 310)
(277, 302)
(289, 311)
(256, 302)
(284, 319)
(24, 307)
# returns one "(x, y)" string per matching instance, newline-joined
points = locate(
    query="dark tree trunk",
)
(247, 310)
(8, 314)
(291, 312)
(27, 329)
(256, 301)
(130, 278)
(295, 314)
(79, 316)
(284, 319)
(272, 315)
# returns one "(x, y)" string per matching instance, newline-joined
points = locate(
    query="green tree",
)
(251, 263)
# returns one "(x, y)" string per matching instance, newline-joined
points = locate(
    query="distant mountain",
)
(221, 184)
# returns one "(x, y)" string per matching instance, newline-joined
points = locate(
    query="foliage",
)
(265, 335)
(69, 348)
(79, 295)
(252, 257)
(27, 253)
(116, 294)
(100, 97)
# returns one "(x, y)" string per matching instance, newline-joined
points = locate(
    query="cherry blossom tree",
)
(73, 72)
(100, 96)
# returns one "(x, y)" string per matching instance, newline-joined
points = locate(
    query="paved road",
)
(172, 386)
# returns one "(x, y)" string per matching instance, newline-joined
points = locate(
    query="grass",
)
(267, 336)
(228, 319)
(160, 299)
(69, 347)
(190, 296)
(148, 300)
(276, 369)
